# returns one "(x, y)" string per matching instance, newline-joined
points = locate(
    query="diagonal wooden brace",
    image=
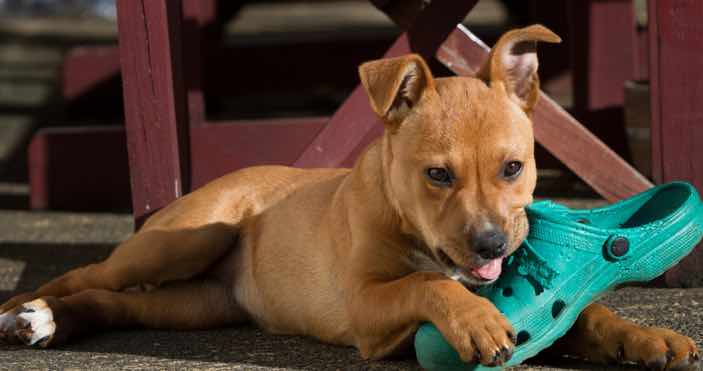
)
(354, 125)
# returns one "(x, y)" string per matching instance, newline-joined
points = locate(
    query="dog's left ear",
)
(513, 63)
(395, 85)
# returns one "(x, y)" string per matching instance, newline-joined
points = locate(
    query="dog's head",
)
(458, 153)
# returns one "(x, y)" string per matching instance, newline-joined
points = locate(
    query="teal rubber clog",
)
(573, 256)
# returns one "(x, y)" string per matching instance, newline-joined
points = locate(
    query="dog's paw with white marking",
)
(31, 323)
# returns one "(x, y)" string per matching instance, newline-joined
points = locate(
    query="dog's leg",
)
(50, 321)
(386, 314)
(599, 335)
(148, 257)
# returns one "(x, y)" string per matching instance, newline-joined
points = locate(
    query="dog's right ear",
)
(395, 85)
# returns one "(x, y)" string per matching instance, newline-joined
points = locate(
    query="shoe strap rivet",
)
(618, 247)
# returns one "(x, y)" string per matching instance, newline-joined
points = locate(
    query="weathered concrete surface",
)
(37, 246)
(247, 348)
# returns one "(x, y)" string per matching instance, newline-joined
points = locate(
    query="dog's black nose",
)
(490, 244)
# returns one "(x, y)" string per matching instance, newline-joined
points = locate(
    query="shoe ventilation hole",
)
(507, 291)
(583, 221)
(522, 337)
(557, 307)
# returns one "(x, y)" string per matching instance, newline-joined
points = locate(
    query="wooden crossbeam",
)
(60, 158)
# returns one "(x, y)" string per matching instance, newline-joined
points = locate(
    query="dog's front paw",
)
(31, 323)
(479, 333)
(654, 348)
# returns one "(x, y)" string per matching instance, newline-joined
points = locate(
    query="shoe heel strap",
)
(699, 216)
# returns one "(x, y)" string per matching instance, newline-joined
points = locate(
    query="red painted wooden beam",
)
(84, 68)
(354, 124)
(220, 148)
(81, 168)
(197, 14)
(555, 129)
(156, 116)
(604, 52)
(676, 85)
(86, 168)
(316, 63)
(603, 57)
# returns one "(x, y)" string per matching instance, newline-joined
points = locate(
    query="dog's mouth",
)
(488, 272)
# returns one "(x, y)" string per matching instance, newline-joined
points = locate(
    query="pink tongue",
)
(490, 271)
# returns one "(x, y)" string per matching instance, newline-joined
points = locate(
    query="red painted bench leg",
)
(676, 83)
(156, 115)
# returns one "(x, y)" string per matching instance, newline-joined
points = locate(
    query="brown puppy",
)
(356, 257)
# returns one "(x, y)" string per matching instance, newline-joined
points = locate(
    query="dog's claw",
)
(512, 337)
(42, 342)
(506, 353)
(24, 335)
(670, 355)
(496, 360)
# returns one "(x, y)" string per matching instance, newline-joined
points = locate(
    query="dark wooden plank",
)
(79, 169)
(316, 63)
(354, 123)
(603, 58)
(217, 149)
(677, 113)
(195, 15)
(60, 158)
(641, 71)
(604, 51)
(313, 63)
(84, 68)
(200, 40)
(555, 129)
(555, 63)
(654, 105)
(402, 12)
(156, 116)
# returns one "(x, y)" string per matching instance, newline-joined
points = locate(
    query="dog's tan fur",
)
(356, 256)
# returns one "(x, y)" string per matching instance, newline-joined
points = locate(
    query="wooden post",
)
(156, 115)
(603, 52)
(198, 44)
(603, 58)
(676, 87)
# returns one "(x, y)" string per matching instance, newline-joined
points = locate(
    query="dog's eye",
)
(439, 176)
(512, 169)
